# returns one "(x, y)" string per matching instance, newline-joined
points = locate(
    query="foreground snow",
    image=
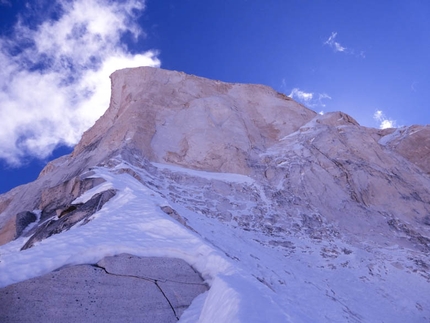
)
(253, 277)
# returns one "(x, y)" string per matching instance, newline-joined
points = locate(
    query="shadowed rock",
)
(17, 205)
(23, 219)
(68, 217)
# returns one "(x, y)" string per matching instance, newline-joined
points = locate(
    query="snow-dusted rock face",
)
(338, 172)
(289, 216)
(413, 143)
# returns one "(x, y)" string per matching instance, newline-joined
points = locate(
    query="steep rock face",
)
(186, 120)
(413, 143)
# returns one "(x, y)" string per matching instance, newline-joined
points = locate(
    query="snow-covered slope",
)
(319, 220)
(253, 276)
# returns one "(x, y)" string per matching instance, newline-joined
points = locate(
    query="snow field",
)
(251, 279)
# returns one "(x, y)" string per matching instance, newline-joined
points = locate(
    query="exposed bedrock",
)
(121, 288)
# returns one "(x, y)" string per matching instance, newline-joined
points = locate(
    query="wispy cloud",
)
(383, 121)
(310, 99)
(337, 47)
(54, 81)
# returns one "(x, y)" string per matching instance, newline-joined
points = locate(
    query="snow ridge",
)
(253, 276)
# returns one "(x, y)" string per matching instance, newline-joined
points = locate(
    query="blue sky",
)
(366, 58)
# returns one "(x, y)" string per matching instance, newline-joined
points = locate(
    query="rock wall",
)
(198, 123)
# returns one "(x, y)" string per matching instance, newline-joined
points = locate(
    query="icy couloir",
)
(288, 215)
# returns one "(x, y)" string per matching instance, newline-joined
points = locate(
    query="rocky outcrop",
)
(48, 197)
(123, 288)
(68, 216)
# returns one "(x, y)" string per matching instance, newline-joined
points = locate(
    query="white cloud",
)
(54, 81)
(309, 99)
(337, 47)
(383, 121)
(302, 96)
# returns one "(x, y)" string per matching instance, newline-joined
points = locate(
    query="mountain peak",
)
(174, 118)
(287, 215)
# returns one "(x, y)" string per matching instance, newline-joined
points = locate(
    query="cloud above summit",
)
(384, 122)
(54, 81)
